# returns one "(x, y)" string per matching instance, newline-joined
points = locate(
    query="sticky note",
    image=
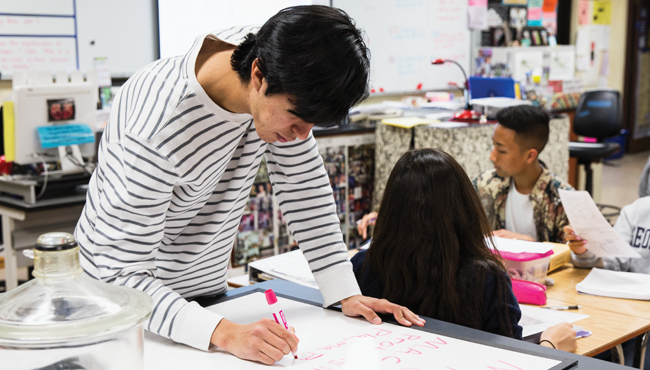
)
(67, 134)
(549, 5)
(602, 12)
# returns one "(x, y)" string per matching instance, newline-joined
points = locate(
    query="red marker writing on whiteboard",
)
(276, 311)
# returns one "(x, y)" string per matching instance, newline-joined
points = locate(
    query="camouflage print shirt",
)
(548, 212)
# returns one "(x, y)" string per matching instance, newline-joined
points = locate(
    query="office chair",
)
(599, 116)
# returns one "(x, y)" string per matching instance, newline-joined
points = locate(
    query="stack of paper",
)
(520, 246)
(407, 122)
(291, 266)
(616, 284)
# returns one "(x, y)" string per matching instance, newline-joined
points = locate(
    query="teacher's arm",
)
(304, 195)
(121, 233)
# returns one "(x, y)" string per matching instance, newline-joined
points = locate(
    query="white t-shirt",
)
(519, 213)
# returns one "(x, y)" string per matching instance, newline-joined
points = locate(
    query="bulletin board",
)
(404, 36)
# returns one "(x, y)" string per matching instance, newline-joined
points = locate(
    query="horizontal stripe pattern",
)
(174, 175)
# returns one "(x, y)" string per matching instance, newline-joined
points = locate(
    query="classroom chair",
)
(598, 116)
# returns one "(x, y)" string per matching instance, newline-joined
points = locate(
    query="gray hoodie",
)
(633, 225)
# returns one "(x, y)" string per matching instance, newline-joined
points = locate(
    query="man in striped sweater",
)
(178, 158)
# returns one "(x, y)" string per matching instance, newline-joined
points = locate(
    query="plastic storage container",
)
(527, 266)
(64, 319)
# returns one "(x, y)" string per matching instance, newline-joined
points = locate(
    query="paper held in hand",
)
(587, 222)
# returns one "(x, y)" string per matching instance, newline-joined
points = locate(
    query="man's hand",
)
(367, 220)
(367, 307)
(503, 233)
(264, 341)
(562, 335)
(576, 243)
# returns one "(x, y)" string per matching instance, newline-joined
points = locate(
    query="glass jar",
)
(64, 319)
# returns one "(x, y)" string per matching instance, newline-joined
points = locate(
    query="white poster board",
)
(329, 339)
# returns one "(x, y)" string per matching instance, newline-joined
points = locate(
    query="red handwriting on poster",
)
(388, 350)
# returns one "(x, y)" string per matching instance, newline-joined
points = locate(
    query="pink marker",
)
(276, 311)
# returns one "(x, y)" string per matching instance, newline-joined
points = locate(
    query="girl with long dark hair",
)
(430, 253)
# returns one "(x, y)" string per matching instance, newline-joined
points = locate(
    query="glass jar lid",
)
(63, 304)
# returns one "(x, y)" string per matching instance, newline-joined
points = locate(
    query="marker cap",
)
(270, 296)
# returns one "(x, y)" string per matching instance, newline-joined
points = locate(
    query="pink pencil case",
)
(529, 292)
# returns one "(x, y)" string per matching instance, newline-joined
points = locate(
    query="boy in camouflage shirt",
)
(520, 195)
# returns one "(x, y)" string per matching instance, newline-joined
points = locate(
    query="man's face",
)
(273, 121)
(507, 156)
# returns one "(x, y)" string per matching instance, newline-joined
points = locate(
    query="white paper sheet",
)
(616, 284)
(587, 222)
(477, 17)
(330, 340)
(521, 246)
(563, 65)
(535, 320)
(526, 61)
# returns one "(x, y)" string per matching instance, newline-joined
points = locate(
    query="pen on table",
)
(576, 307)
(276, 311)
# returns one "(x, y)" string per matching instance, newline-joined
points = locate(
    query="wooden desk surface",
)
(608, 328)
(564, 289)
(611, 320)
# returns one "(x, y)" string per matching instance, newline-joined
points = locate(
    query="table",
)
(607, 312)
(23, 222)
(313, 295)
(609, 328)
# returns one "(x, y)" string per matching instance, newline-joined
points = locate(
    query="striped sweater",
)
(164, 204)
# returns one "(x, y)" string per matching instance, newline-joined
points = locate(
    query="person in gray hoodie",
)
(633, 225)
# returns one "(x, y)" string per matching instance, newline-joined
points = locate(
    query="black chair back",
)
(598, 114)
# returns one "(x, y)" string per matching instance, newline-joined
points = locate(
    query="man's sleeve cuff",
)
(195, 326)
(337, 283)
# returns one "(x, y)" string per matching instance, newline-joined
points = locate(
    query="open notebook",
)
(616, 284)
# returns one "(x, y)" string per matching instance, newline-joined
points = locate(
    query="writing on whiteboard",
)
(33, 53)
(408, 4)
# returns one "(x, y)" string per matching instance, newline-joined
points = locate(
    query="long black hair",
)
(316, 55)
(429, 248)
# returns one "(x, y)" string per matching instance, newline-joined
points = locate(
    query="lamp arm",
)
(461, 69)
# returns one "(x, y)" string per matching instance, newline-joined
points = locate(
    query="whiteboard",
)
(124, 31)
(54, 35)
(329, 339)
(202, 16)
(404, 36)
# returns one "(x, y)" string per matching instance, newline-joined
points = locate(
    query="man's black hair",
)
(529, 123)
(315, 55)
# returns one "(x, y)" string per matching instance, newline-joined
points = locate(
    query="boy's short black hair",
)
(315, 55)
(529, 123)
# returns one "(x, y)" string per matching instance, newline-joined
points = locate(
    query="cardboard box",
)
(561, 256)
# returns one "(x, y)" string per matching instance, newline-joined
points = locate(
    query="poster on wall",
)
(585, 11)
(535, 13)
(602, 12)
(515, 2)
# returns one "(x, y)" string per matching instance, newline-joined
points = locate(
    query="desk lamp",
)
(466, 115)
